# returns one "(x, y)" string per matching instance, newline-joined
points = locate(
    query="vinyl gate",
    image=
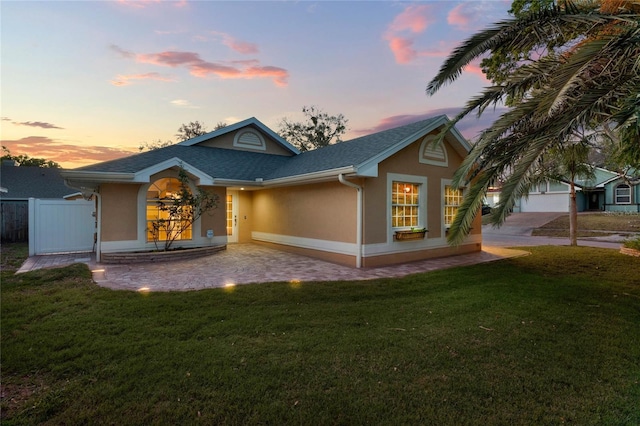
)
(59, 226)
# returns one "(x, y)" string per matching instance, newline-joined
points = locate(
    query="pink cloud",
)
(402, 49)
(239, 46)
(171, 58)
(40, 124)
(67, 155)
(198, 67)
(280, 76)
(474, 68)
(412, 20)
(125, 80)
(204, 69)
(460, 16)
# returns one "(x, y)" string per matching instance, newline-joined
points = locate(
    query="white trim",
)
(615, 194)
(429, 144)
(350, 249)
(144, 176)
(381, 249)
(142, 215)
(235, 198)
(134, 245)
(368, 250)
(240, 140)
(422, 203)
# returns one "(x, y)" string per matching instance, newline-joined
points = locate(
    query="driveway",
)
(516, 232)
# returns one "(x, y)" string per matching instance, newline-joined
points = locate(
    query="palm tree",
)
(590, 79)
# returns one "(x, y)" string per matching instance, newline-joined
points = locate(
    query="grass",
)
(549, 338)
(592, 225)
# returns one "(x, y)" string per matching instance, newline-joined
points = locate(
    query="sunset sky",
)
(88, 81)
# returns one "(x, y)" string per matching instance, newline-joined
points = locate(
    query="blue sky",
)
(87, 81)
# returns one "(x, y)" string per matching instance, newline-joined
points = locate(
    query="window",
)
(405, 203)
(249, 139)
(623, 194)
(163, 191)
(452, 200)
(229, 214)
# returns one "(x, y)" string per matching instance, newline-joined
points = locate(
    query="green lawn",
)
(550, 338)
(592, 225)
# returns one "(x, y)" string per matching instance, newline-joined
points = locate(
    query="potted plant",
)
(410, 234)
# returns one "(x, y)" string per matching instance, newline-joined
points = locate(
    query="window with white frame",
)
(452, 201)
(623, 194)
(160, 223)
(405, 204)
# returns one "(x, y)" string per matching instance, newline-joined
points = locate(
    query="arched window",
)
(165, 220)
(623, 194)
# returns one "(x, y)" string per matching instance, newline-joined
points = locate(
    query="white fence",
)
(61, 226)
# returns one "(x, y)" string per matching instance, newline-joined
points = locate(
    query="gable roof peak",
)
(239, 125)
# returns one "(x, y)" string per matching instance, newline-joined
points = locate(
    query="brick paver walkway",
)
(249, 263)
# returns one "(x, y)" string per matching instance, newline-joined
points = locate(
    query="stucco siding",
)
(226, 141)
(406, 162)
(214, 219)
(324, 211)
(119, 205)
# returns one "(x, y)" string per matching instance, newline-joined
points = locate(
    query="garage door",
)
(545, 203)
(61, 226)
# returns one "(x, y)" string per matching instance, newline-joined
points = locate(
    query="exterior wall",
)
(123, 218)
(319, 220)
(214, 220)
(226, 141)
(119, 211)
(610, 205)
(325, 211)
(380, 247)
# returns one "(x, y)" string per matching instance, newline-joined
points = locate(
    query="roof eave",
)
(314, 177)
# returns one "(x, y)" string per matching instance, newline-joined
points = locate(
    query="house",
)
(343, 203)
(605, 191)
(17, 185)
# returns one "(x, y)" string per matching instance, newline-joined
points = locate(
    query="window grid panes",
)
(623, 194)
(229, 214)
(404, 204)
(452, 201)
(164, 189)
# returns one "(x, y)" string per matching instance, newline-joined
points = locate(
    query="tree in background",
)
(318, 130)
(590, 79)
(185, 132)
(26, 161)
(191, 130)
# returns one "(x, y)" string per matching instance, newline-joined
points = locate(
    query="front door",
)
(593, 201)
(232, 216)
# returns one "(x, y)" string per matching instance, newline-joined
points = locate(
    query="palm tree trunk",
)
(573, 216)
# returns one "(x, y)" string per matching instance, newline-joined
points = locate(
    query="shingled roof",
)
(23, 183)
(229, 164)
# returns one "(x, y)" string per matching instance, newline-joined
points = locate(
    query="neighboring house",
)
(606, 191)
(342, 203)
(18, 184)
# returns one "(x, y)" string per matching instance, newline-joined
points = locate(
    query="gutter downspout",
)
(359, 189)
